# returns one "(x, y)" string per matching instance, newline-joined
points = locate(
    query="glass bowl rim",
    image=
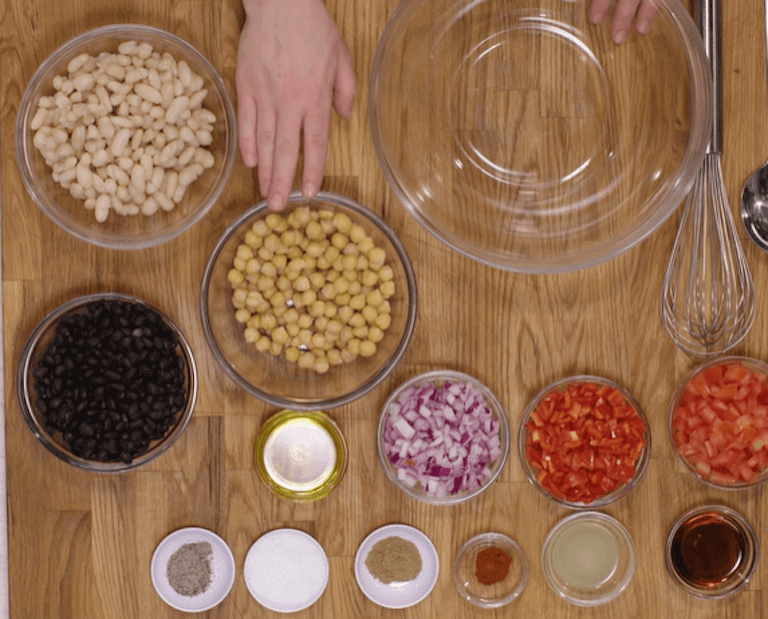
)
(642, 460)
(486, 540)
(23, 146)
(23, 386)
(492, 402)
(308, 405)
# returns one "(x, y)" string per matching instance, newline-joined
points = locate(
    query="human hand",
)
(292, 65)
(623, 14)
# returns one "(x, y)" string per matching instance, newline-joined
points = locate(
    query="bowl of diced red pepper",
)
(718, 422)
(584, 442)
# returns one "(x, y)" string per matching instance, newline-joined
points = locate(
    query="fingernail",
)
(620, 37)
(308, 190)
(598, 17)
(643, 26)
(276, 203)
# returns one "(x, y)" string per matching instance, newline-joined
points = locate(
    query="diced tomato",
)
(720, 424)
(589, 444)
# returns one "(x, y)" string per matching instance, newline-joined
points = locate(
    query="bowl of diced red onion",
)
(443, 437)
(584, 442)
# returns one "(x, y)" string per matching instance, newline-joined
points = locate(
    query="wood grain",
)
(80, 544)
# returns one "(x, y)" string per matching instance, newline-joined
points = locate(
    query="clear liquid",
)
(585, 555)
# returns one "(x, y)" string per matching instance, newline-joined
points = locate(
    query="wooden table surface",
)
(80, 544)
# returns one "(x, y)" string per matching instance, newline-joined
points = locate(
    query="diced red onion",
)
(444, 439)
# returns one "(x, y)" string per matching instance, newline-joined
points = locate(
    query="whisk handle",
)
(708, 18)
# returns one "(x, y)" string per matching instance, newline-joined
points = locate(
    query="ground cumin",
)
(393, 559)
(189, 569)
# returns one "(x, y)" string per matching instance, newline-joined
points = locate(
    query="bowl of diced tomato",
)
(718, 422)
(584, 442)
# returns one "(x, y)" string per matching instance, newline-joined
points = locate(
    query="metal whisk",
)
(708, 297)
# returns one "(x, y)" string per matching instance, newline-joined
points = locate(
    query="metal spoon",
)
(754, 195)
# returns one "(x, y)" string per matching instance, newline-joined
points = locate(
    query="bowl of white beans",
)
(309, 308)
(125, 136)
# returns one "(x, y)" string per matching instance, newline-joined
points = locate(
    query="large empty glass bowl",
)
(520, 135)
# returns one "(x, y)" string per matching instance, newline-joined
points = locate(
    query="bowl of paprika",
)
(490, 570)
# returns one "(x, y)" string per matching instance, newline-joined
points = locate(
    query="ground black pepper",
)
(189, 569)
(111, 381)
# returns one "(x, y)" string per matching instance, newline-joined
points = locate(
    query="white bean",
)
(102, 206)
(163, 200)
(148, 93)
(119, 142)
(106, 127)
(175, 110)
(197, 99)
(40, 117)
(77, 63)
(83, 81)
(150, 206)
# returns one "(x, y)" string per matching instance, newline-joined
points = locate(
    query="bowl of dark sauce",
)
(711, 551)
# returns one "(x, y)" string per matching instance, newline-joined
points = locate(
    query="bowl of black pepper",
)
(106, 382)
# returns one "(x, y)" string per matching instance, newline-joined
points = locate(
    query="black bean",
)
(119, 382)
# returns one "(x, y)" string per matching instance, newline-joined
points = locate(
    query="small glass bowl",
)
(438, 378)
(133, 231)
(531, 472)
(574, 566)
(712, 479)
(300, 456)
(33, 351)
(274, 379)
(744, 557)
(496, 594)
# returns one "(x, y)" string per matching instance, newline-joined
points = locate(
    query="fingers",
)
(622, 20)
(344, 87)
(315, 145)
(623, 16)
(286, 156)
(265, 144)
(246, 130)
(598, 10)
(645, 14)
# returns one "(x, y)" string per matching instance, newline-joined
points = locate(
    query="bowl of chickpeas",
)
(309, 308)
(125, 136)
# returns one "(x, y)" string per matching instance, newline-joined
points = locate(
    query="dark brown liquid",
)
(707, 549)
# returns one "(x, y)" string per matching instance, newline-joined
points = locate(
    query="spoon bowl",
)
(754, 206)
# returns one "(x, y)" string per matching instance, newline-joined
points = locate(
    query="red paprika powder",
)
(492, 565)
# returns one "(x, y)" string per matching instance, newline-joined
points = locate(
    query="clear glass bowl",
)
(755, 365)
(531, 472)
(274, 379)
(495, 594)
(137, 231)
(588, 558)
(438, 378)
(522, 137)
(720, 518)
(300, 456)
(33, 351)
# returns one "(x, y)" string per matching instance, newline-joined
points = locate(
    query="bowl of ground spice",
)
(396, 566)
(106, 382)
(490, 570)
(193, 569)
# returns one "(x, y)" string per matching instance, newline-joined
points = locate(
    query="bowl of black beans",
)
(107, 382)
